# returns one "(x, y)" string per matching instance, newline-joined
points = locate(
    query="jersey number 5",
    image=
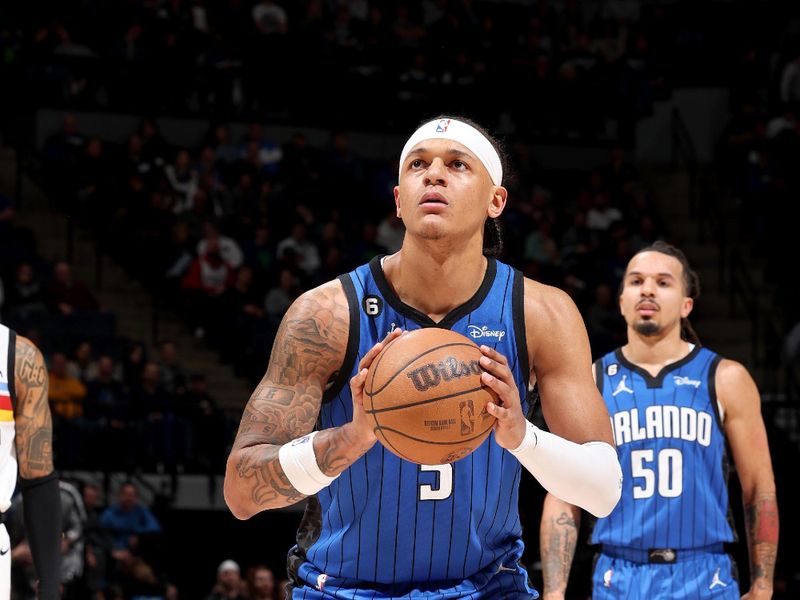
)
(445, 487)
(668, 472)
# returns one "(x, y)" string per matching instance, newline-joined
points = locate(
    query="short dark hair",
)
(691, 283)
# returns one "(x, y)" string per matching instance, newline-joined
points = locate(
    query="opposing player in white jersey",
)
(26, 445)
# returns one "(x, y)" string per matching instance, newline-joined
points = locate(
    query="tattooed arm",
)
(32, 420)
(744, 428)
(308, 351)
(558, 536)
(34, 444)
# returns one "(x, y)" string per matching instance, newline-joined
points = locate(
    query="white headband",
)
(466, 135)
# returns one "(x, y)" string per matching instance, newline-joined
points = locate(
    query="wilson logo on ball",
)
(432, 374)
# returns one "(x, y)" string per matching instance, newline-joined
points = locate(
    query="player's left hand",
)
(509, 430)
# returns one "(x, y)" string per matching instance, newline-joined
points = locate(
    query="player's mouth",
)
(433, 199)
(647, 309)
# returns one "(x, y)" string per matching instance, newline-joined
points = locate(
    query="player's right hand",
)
(362, 425)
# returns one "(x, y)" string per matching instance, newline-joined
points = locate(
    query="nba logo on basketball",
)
(467, 417)
(442, 125)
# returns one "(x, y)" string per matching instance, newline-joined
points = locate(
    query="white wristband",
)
(299, 464)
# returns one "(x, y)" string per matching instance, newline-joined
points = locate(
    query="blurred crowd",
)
(113, 406)
(756, 160)
(368, 59)
(115, 551)
(232, 231)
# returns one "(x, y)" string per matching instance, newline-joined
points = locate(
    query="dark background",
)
(132, 129)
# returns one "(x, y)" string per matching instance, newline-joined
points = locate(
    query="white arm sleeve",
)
(586, 475)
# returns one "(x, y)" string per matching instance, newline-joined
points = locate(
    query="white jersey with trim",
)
(8, 453)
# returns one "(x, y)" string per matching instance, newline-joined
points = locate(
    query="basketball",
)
(425, 395)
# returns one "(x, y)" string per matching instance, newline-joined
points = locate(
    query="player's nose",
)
(436, 172)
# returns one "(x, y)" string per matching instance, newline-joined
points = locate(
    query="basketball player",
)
(377, 526)
(672, 405)
(26, 444)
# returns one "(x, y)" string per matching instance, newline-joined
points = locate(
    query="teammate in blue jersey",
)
(376, 526)
(673, 405)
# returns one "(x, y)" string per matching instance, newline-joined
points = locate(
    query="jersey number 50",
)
(668, 471)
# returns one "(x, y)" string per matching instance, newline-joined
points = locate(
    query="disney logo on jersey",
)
(686, 381)
(432, 374)
(482, 332)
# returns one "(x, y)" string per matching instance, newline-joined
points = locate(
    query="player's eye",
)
(663, 283)
(416, 163)
(459, 165)
(635, 281)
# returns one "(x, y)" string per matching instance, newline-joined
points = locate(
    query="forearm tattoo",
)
(762, 523)
(309, 348)
(337, 451)
(32, 421)
(259, 468)
(558, 548)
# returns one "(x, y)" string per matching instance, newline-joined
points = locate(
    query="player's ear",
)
(498, 201)
(396, 191)
(686, 307)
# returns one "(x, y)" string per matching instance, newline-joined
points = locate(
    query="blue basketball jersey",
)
(395, 528)
(672, 451)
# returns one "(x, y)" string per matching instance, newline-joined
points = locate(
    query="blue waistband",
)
(659, 555)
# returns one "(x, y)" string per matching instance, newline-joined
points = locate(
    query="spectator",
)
(65, 147)
(93, 184)
(183, 180)
(228, 248)
(133, 364)
(270, 18)
(619, 174)
(280, 297)
(602, 215)
(73, 523)
(229, 583)
(207, 423)
(260, 250)
(259, 156)
(540, 246)
(790, 82)
(64, 295)
(208, 278)
(24, 296)
(67, 392)
(154, 409)
(171, 373)
(67, 395)
(367, 247)
(305, 251)
(225, 153)
(83, 366)
(98, 542)
(154, 148)
(391, 231)
(603, 322)
(107, 415)
(127, 520)
(260, 583)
